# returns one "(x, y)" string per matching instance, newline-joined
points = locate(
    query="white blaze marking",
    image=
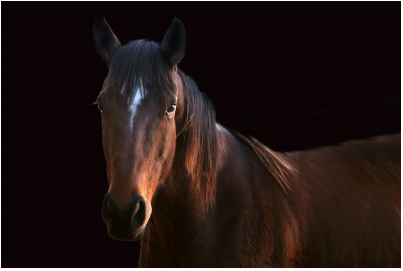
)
(138, 98)
(136, 101)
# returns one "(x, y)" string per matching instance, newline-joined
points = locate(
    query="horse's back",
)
(348, 198)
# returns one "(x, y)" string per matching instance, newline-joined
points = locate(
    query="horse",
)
(200, 195)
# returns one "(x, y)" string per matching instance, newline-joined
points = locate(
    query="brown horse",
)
(198, 194)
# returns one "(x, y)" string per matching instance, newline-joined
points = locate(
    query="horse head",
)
(141, 104)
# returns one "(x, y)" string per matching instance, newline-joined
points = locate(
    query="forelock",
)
(138, 66)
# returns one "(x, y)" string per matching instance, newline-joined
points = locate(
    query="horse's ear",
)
(106, 43)
(174, 42)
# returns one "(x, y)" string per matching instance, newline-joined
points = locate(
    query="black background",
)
(293, 75)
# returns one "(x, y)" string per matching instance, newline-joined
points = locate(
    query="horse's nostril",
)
(108, 209)
(108, 205)
(139, 213)
(130, 218)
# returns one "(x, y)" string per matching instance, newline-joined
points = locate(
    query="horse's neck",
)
(173, 234)
(247, 192)
(175, 230)
(181, 226)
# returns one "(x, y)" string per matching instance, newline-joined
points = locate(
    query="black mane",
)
(200, 139)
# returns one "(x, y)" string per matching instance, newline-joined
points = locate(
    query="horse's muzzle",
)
(124, 225)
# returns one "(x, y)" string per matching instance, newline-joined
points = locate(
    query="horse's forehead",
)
(136, 83)
(134, 105)
(133, 91)
(136, 101)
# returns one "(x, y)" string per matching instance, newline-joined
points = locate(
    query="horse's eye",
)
(171, 108)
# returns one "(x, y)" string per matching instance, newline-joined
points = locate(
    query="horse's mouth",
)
(126, 236)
